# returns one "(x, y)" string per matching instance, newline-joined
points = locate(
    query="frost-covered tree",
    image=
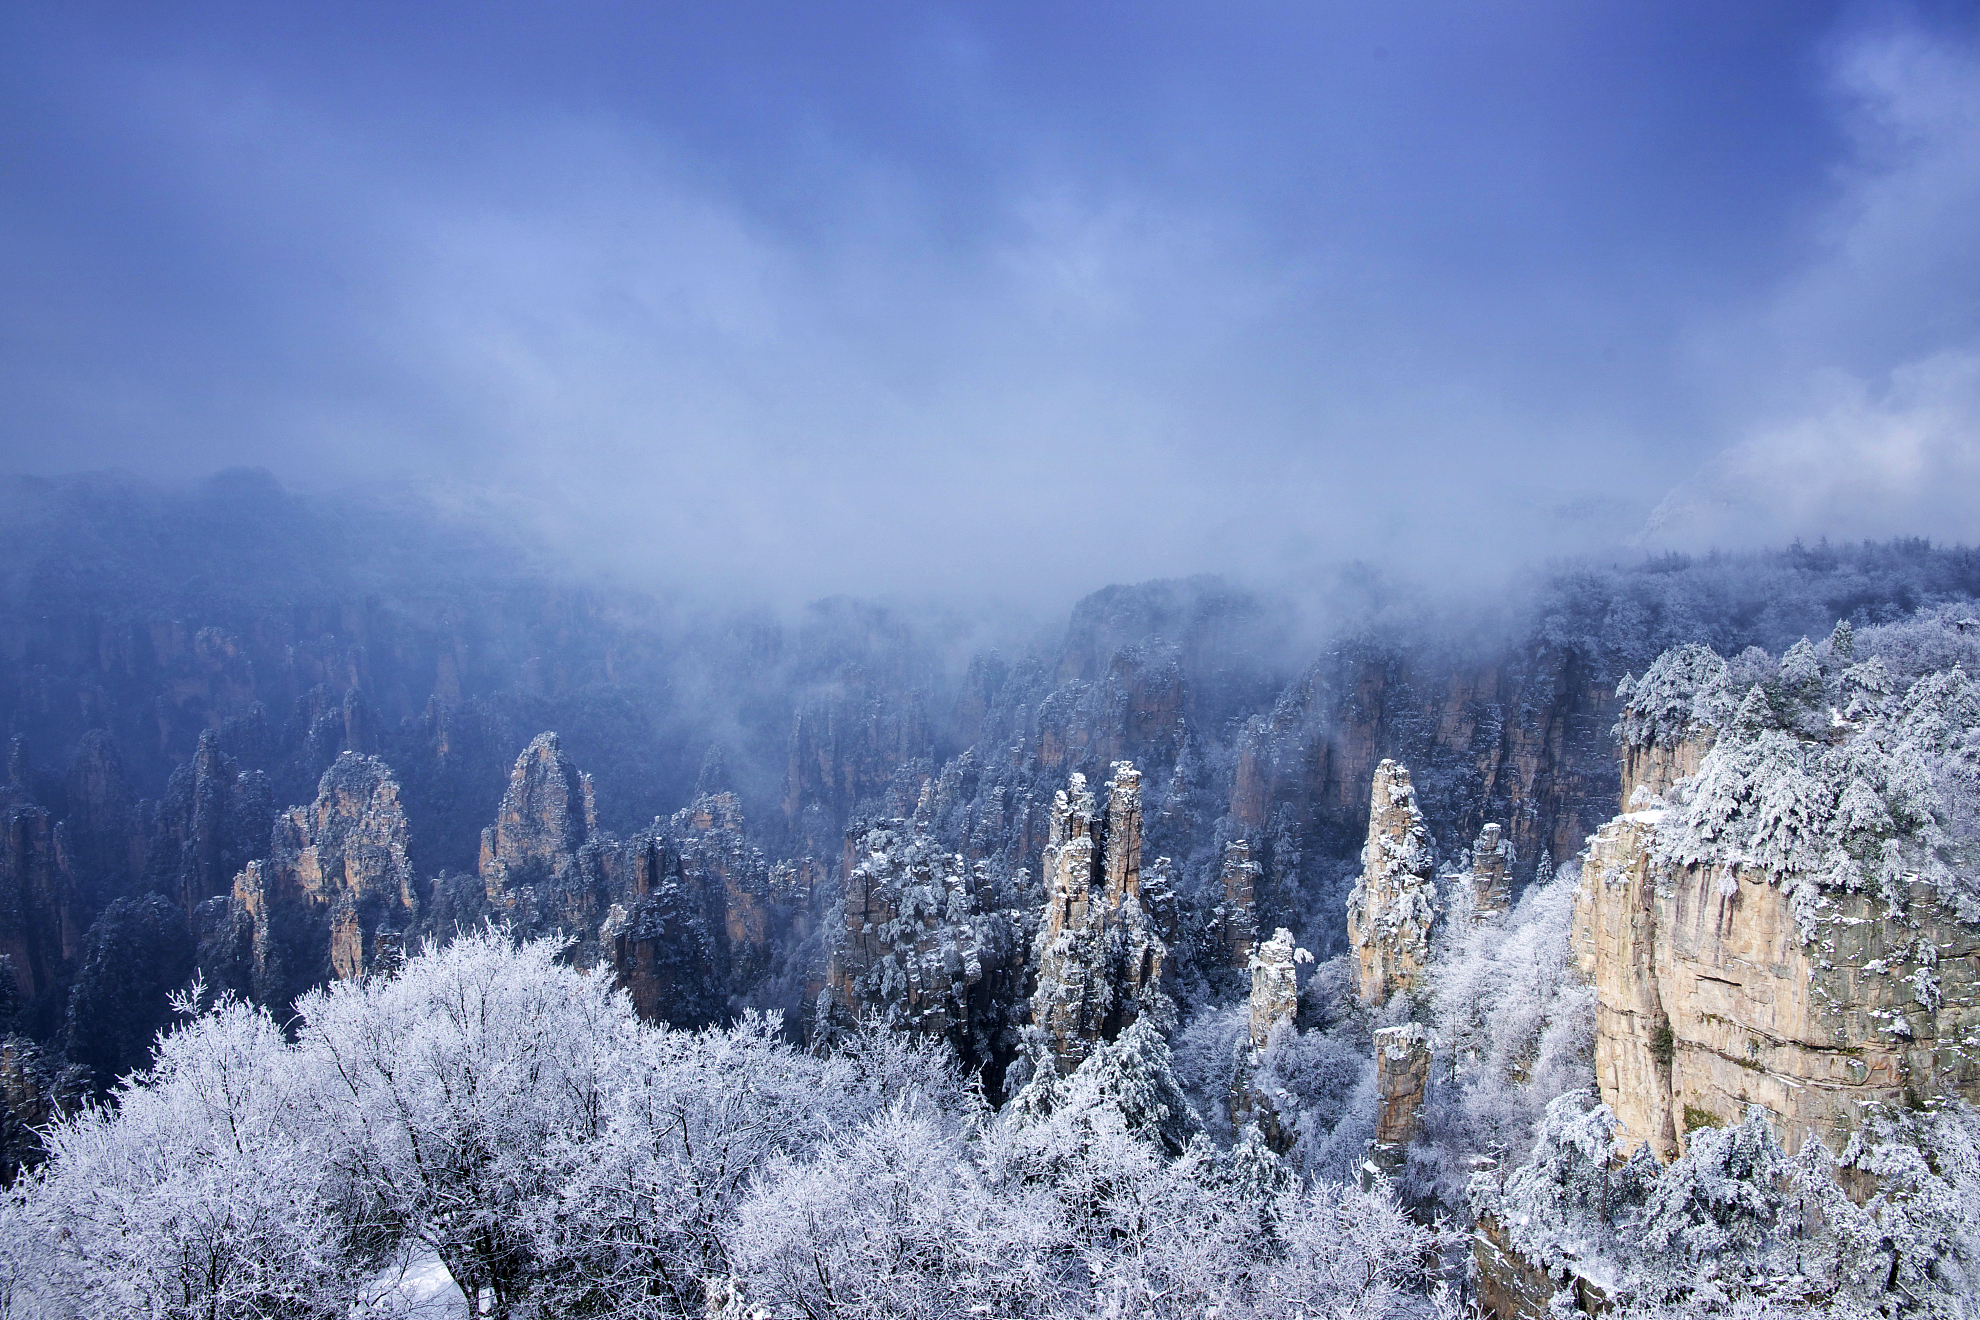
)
(446, 1094)
(200, 1193)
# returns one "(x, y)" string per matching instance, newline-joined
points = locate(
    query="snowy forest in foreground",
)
(511, 1115)
(494, 1109)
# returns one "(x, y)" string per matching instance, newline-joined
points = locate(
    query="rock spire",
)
(1393, 905)
(1099, 956)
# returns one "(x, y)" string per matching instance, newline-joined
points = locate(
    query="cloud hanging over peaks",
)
(1003, 299)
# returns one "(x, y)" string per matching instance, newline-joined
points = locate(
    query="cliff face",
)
(1522, 740)
(1709, 998)
(1393, 906)
(1098, 955)
(1783, 920)
(41, 914)
(334, 898)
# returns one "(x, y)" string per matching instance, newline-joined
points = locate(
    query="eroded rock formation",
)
(532, 870)
(1763, 930)
(696, 912)
(1402, 1073)
(1491, 858)
(1099, 956)
(1393, 906)
(1236, 917)
(1708, 997)
(920, 947)
(213, 821)
(335, 894)
(41, 916)
(35, 1089)
(1274, 984)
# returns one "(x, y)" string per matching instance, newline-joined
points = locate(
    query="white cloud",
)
(1902, 460)
(1859, 381)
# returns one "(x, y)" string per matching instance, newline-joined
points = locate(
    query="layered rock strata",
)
(1708, 997)
(1393, 906)
(1777, 923)
(1098, 954)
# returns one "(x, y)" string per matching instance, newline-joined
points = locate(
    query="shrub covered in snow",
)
(1738, 1227)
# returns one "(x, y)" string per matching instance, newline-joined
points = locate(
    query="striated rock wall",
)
(35, 1089)
(1393, 906)
(1708, 999)
(696, 914)
(1098, 954)
(41, 916)
(1650, 770)
(1523, 739)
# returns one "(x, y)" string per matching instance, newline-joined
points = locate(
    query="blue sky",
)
(1014, 298)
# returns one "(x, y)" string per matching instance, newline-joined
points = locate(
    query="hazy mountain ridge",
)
(228, 645)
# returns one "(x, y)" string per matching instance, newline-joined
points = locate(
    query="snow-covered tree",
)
(445, 1095)
(200, 1193)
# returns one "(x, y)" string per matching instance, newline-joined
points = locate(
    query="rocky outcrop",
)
(1274, 1004)
(1393, 905)
(662, 945)
(696, 912)
(1650, 770)
(35, 1089)
(214, 820)
(1099, 957)
(41, 913)
(1491, 860)
(1710, 999)
(334, 896)
(1776, 923)
(1274, 984)
(919, 948)
(750, 901)
(1402, 1074)
(532, 871)
(848, 739)
(1235, 918)
(105, 824)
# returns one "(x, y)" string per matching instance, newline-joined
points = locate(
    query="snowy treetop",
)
(1850, 764)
